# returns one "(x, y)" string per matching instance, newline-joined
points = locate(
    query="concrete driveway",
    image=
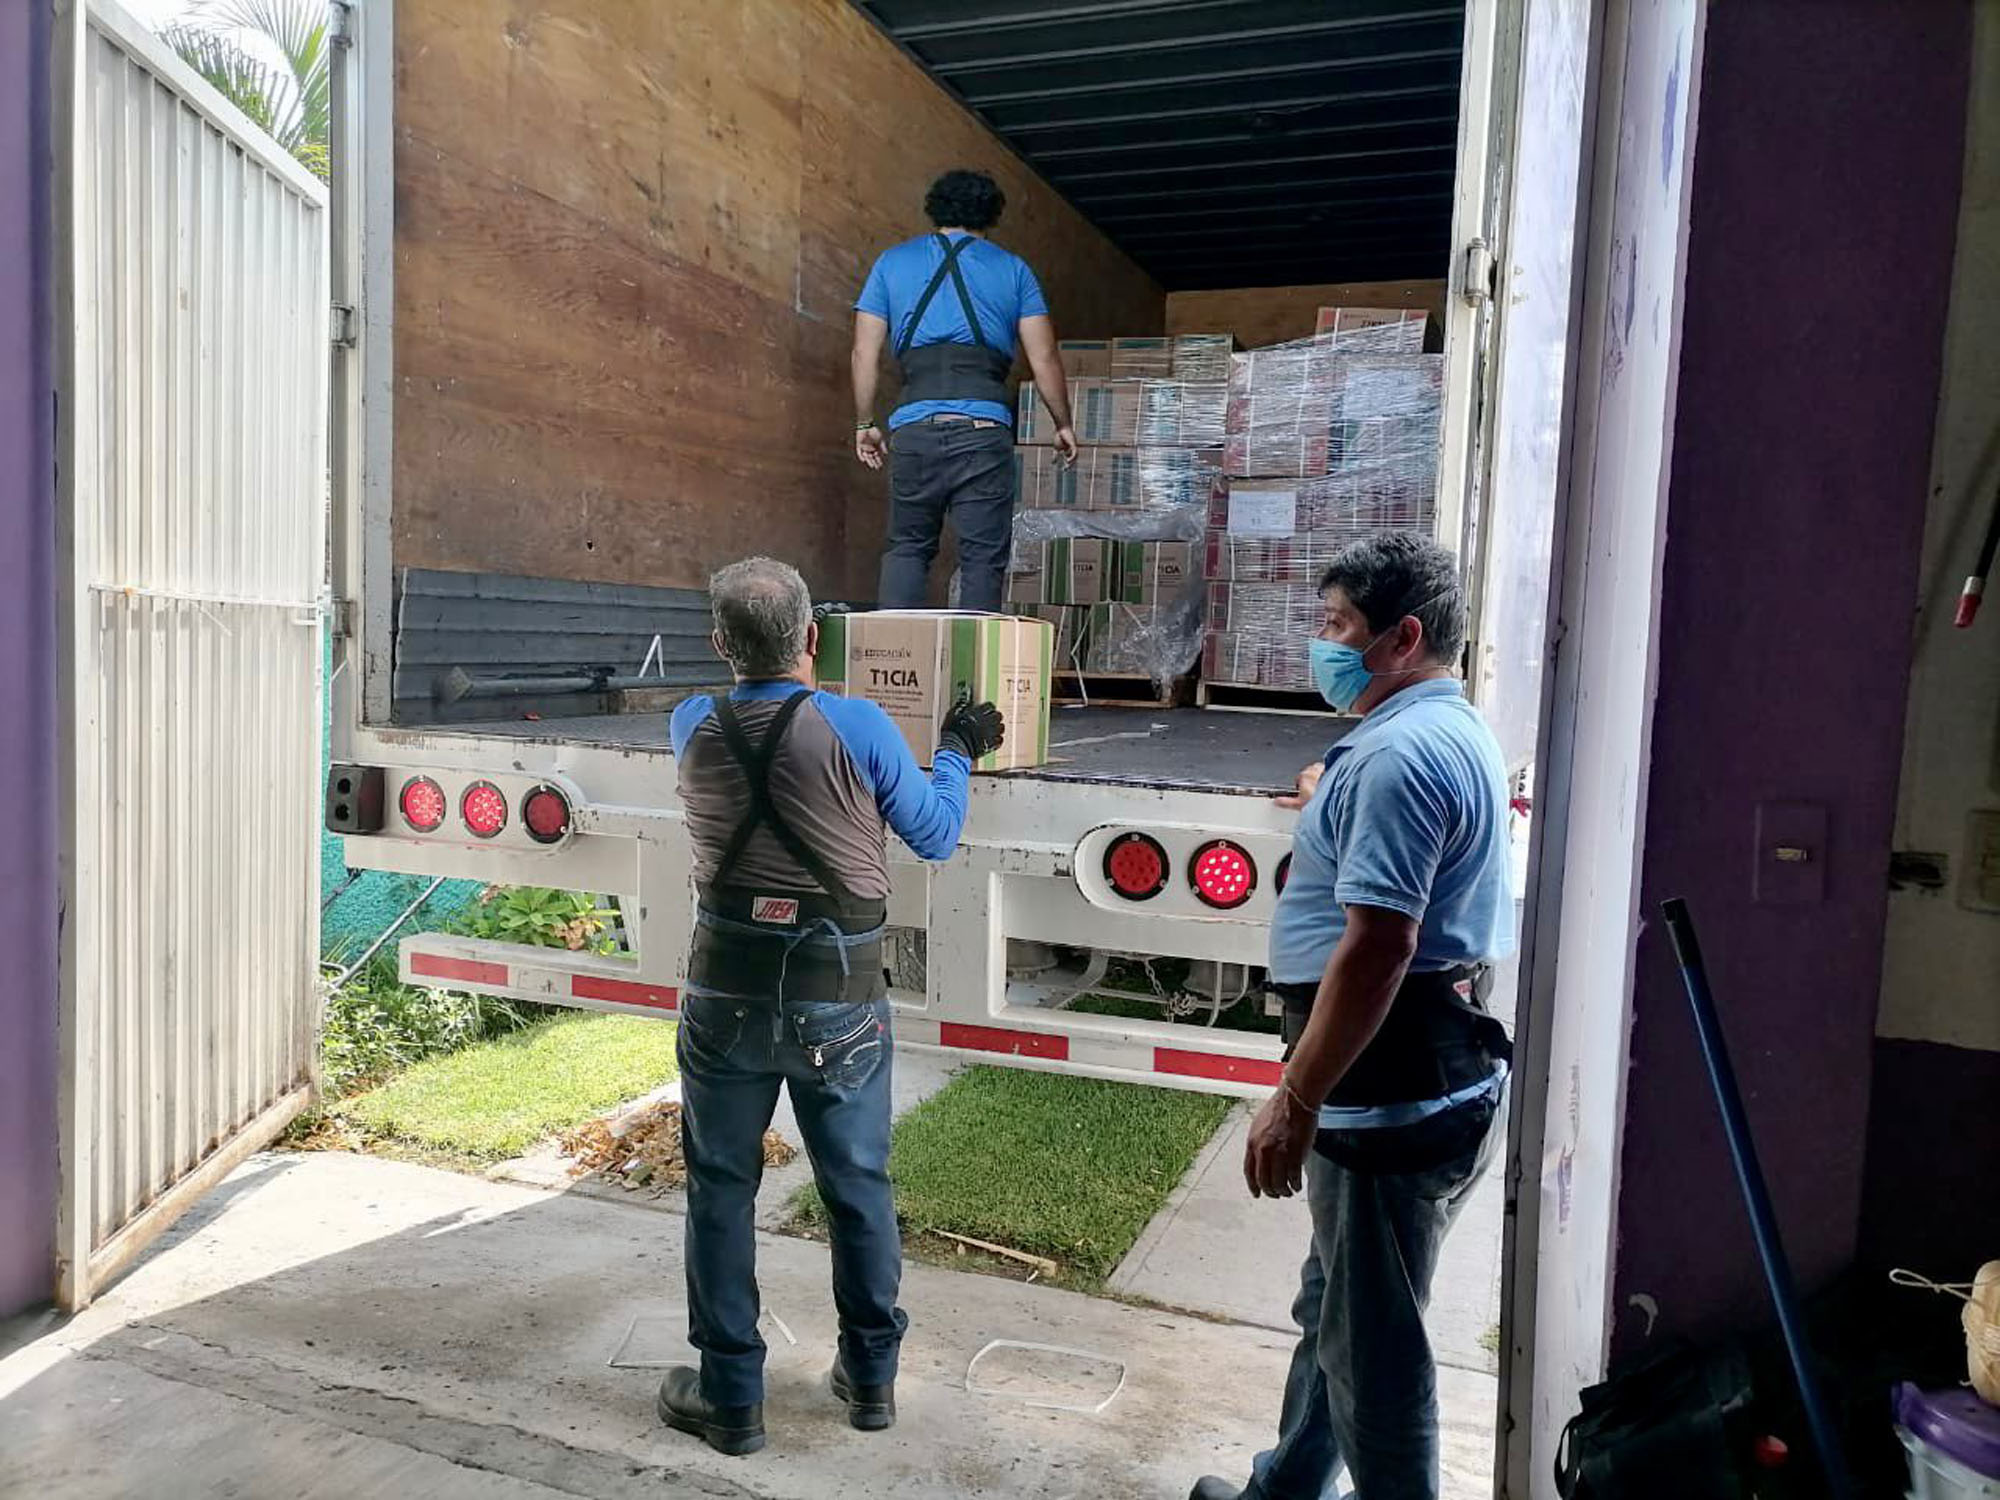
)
(344, 1326)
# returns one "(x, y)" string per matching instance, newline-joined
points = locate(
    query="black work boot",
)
(872, 1408)
(734, 1430)
(1208, 1487)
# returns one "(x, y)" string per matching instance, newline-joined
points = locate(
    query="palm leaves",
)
(268, 58)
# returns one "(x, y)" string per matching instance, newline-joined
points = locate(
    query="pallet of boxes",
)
(1330, 439)
(1108, 550)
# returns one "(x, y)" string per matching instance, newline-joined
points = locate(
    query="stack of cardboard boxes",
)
(1329, 439)
(1108, 549)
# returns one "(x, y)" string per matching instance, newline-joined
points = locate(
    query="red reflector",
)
(624, 992)
(484, 809)
(1182, 1064)
(464, 970)
(545, 814)
(423, 804)
(1222, 874)
(1000, 1039)
(1135, 866)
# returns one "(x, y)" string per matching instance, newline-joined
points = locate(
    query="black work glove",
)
(972, 729)
(821, 611)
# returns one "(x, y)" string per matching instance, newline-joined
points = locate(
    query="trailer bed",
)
(1247, 753)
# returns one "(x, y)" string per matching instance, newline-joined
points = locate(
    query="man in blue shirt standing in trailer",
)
(950, 305)
(789, 795)
(1396, 1077)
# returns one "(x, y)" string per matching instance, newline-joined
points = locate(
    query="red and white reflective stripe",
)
(1005, 1040)
(463, 970)
(624, 992)
(1259, 1070)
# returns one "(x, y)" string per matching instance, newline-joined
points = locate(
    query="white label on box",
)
(1263, 512)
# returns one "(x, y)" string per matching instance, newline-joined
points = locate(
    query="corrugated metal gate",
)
(192, 276)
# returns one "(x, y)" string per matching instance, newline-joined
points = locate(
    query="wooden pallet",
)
(1119, 690)
(1256, 698)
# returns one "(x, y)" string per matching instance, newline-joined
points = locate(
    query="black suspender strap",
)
(756, 765)
(948, 267)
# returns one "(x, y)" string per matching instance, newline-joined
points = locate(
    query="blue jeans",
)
(1362, 1391)
(940, 469)
(835, 1058)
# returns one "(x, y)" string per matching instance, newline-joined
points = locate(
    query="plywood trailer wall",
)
(628, 238)
(1260, 315)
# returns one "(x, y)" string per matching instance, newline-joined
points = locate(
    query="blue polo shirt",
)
(1003, 291)
(1410, 816)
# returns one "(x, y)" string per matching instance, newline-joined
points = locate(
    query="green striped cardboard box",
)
(916, 663)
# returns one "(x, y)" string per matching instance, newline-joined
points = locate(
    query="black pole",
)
(1756, 1197)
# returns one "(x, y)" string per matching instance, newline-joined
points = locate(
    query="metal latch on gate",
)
(343, 325)
(1477, 285)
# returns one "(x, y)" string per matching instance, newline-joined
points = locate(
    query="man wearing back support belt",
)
(1395, 1077)
(788, 794)
(954, 303)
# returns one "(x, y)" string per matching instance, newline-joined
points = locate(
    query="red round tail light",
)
(423, 804)
(1135, 866)
(1222, 874)
(545, 814)
(483, 809)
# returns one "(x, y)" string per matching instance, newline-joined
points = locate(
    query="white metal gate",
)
(192, 286)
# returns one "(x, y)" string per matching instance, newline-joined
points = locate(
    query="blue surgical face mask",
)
(1339, 671)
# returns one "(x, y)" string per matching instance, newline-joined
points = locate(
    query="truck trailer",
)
(592, 278)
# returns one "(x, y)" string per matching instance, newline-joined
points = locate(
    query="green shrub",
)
(376, 1025)
(542, 918)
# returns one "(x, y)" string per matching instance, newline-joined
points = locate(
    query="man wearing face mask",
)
(1395, 1079)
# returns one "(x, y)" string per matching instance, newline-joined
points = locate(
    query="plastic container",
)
(1953, 1439)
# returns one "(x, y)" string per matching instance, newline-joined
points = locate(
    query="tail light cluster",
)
(477, 808)
(1220, 873)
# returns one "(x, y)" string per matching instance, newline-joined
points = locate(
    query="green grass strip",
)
(1068, 1168)
(496, 1099)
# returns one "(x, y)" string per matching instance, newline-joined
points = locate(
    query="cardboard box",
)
(1106, 413)
(916, 663)
(1142, 358)
(1252, 661)
(1379, 330)
(1042, 481)
(1084, 357)
(1062, 570)
(1071, 624)
(1151, 572)
(1274, 611)
(1184, 414)
(1337, 508)
(1203, 357)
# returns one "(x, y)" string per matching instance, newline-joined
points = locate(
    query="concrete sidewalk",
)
(344, 1326)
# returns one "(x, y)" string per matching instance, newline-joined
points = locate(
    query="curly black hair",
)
(963, 199)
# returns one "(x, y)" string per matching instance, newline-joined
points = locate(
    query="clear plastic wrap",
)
(1284, 530)
(1117, 479)
(1184, 414)
(1257, 633)
(1146, 610)
(1203, 357)
(1302, 409)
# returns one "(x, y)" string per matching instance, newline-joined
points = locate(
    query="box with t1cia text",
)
(916, 663)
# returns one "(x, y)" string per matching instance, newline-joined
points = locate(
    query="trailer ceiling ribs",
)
(1323, 133)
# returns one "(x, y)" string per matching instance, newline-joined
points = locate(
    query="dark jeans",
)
(835, 1059)
(957, 469)
(1362, 1390)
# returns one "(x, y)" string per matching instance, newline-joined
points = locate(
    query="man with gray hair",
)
(1396, 905)
(789, 795)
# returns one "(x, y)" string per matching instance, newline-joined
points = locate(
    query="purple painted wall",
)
(27, 672)
(1933, 1158)
(1826, 181)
